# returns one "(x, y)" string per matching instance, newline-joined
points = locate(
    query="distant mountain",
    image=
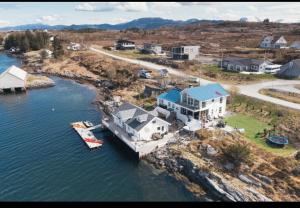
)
(142, 23)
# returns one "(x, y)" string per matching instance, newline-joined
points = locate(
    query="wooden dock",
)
(86, 134)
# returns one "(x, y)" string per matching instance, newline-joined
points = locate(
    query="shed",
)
(13, 78)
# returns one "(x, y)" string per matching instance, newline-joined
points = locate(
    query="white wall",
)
(10, 81)
(147, 131)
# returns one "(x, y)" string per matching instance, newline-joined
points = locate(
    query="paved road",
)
(251, 90)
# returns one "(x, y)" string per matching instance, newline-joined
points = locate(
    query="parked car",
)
(163, 72)
(194, 79)
(145, 74)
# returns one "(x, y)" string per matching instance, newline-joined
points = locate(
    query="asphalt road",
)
(251, 90)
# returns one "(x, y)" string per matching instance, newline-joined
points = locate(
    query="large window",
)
(196, 103)
(203, 104)
(184, 97)
(190, 101)
(183, 111)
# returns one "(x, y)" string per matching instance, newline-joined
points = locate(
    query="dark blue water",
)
(6, 61)
(43, 159)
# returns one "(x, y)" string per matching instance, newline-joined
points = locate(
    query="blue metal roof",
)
(207, 92)
(172, 95)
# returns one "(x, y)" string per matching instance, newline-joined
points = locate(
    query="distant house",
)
(51, 39)
(13, 50)
(74, 46)
(244, 64)
(125, 45)
(13, 78)
(273, 42)
(295, 45)
(139, 124)
(195, 103)
(290, 70)
(151, 48)
(152, 90)
(185, 52)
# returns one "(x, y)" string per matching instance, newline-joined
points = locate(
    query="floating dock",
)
(85, 133)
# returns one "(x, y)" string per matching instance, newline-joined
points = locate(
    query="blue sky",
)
(67, 13)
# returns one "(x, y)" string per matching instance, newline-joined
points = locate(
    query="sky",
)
(67, 13)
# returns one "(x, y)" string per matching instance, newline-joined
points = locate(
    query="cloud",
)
(49, 18)
(4, 23)
(111, 6)
(252, 8)
(110, 21)
(92, 7)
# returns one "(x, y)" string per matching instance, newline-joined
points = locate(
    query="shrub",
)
(297, 156)
(237, 154)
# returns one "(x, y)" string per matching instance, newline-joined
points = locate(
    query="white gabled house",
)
(13, 78)
(202, 103)
(139, 124)
(270, 41)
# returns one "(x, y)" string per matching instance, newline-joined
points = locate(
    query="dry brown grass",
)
(288, 96)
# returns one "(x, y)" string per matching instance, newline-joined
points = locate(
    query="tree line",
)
(27, 41)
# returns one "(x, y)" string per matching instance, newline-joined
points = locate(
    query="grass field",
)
(252, 126)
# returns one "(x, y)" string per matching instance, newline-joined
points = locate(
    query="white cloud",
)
(133, 6)
(4, 23)
(252, 8)
(93, 7)
(109, 21)
(110, 6)
(49, 18)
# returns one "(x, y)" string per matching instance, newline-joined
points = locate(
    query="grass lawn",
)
(252, 126)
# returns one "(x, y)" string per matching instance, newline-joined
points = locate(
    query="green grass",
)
(253, 126)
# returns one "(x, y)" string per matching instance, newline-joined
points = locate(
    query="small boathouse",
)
(13, 79)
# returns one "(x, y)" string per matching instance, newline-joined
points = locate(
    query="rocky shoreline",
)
(38, 81)
(216, 186)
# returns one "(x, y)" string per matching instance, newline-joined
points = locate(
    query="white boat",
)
(88, 124)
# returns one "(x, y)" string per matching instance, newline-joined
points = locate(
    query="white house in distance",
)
(139, 124)
(202, 103)
(13, 79)
(152, 48)
(123, 44)
(185, 52)
(270, 41)
(74, 46)
(237, 64)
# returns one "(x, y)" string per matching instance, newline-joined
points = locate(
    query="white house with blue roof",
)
(201, 103)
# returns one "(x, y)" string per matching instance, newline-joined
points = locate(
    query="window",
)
(169, 104)
(220, 110)
(161, 101)
(173, 106)
(190, 101)
(158, 128)
(154, 121)
(162, 128)
(213, 100)
(203, 104)
(184, 97)
(183, 111)
(221, 100)
(196, 103)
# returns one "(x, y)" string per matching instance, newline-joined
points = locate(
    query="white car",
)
(145, 74)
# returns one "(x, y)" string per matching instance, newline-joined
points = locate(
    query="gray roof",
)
(134, 116)
(244, 61)
(291, 69)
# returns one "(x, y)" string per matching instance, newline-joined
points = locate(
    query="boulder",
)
(263, 178)
(210, 150)
(229, 166)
